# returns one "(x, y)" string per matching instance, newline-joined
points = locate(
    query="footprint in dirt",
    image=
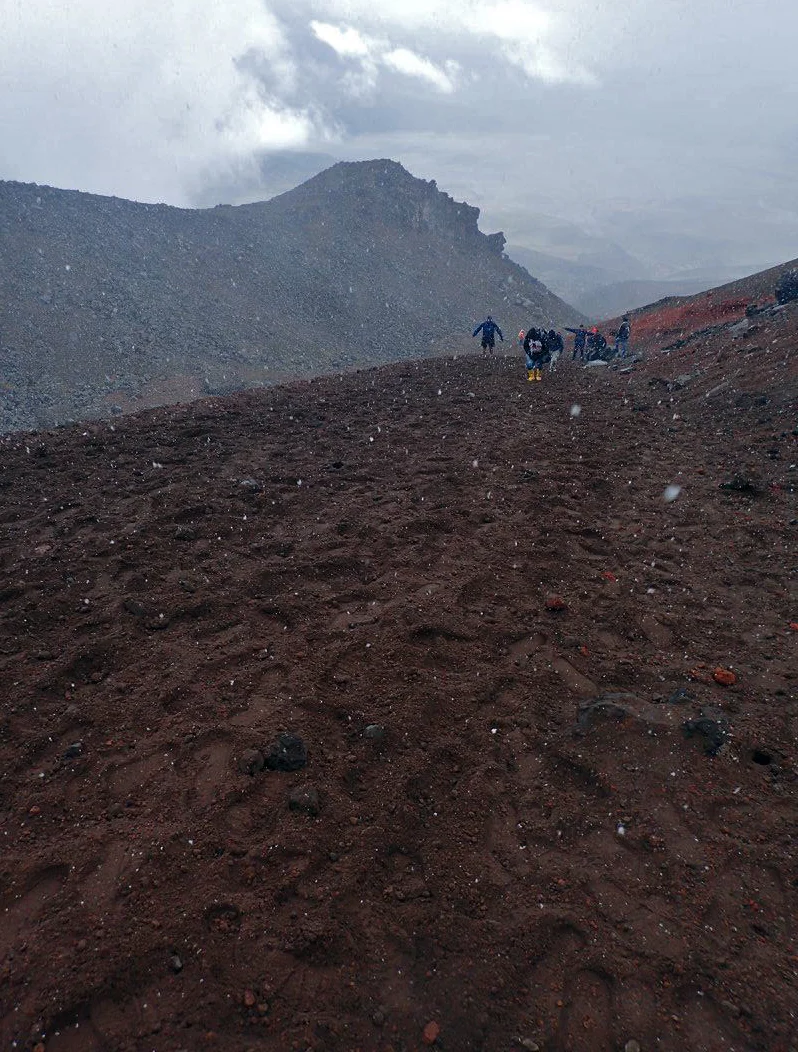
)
(574, 680)
(586, 1023)
(521, 651)
(73, 1031)
(751, 896)
(20, 910)
(109, 875)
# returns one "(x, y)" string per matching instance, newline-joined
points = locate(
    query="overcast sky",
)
(640, 120)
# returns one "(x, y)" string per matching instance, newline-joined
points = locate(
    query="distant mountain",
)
(106, 303)
(621, 296)
(618, 282)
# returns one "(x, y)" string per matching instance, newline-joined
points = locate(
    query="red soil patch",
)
(364, 562)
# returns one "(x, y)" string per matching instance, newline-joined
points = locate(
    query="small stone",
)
(378, 1018)
(249, 999)
(175, 964)
(287, 753)
(374, 732)
(251, 761)
(555, 603)
(680, 696)
(632, 1046)
(73, 751)
(724, 676)
(731, 1007)
(304, 798)
(431, 1033)
(711, 732)
(527, 1043)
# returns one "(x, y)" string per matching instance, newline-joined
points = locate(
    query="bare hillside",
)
(106, 303)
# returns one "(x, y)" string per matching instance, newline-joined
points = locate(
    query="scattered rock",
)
(288, 753)
(73, 751)
(740, 328)
(747, 400)
(762, 757)
(680, 696)
(711, 732)
(185, 533)
(176, 964)
(378, 1018)
(251, 762)
(431, 1033)
(133, 606)
(252, 485)
(304, 798)
(632, 1046)
(375, 732)
(249, 999)
(743, 484)
(724, 676)
(681, 381)
(526, 1043)
(555, 603)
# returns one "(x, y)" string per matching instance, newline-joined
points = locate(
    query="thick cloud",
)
(668, 127)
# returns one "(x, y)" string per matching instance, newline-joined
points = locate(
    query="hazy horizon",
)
(579, 129)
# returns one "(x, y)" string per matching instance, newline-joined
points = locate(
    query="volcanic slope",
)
(106, 304)
(532, 813)
(676, 321)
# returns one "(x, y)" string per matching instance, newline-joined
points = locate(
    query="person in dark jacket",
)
(536, 352)
(489, 328)
(622, 338)
(596, 345)
(580, 339)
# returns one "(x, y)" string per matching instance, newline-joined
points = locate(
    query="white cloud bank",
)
(371, 53)
(141, 99)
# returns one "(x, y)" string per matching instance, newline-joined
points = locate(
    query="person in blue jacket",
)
(580, 339)
(489, 329)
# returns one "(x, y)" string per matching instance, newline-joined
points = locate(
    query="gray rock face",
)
(108, 305)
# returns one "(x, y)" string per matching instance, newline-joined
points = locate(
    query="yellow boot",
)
(538, 374)
(530, 375)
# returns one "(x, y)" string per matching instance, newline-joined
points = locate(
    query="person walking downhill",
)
(622, 337)
(535, 355)
(555, 347)
(489, 328)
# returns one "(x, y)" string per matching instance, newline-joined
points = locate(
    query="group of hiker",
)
(543, 346)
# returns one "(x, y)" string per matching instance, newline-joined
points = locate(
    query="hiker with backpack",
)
(489, 328)
(536, 354)
(622, 337)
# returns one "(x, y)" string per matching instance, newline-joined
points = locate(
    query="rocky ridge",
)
(106, 304)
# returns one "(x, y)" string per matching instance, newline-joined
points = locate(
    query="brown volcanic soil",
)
(488, 865)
